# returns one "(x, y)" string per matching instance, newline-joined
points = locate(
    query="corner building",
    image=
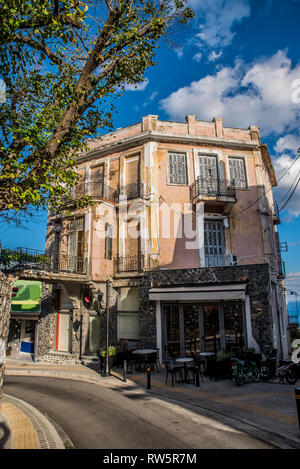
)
(185, 228)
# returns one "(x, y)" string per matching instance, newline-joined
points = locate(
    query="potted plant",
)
(112, 353)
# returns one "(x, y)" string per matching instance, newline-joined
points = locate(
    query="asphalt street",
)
(99, 417)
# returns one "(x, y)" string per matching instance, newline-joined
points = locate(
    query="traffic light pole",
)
(107, 371)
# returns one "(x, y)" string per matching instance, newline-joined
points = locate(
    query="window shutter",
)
(237, 172)
(177, 168)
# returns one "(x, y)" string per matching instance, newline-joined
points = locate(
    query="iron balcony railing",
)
(132, 191)
(96, 189)
(70, 264)
(134, 263)
(212, 187)
(23, 258)
(281, 269)
(13, 260)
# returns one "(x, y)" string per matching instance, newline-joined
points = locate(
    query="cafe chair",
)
(174, 371)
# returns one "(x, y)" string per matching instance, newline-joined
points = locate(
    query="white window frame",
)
(243, 158)
(170, 152)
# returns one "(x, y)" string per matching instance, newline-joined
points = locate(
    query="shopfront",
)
(201, 319)
(189, 328)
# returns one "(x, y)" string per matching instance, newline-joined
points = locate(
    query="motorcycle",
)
(244, 371)
(289, 371)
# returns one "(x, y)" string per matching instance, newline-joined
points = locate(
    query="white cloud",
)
(258, 93)
(213, 56)
(288, 142)
(217, 19)
(197, 57)
(150, 98)
(287, 183)
(138, 87)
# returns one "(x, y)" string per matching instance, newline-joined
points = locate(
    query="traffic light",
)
(87, 299)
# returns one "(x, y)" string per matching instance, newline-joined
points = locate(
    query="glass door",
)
(211, 329)
(172, 332)
(191, 329)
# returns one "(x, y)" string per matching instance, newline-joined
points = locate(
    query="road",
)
(99, 417)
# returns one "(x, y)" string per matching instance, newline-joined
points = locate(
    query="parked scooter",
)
(244, 371)
(289, 371)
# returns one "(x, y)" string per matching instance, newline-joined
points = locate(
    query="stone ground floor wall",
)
(256, 277)
(69, 299)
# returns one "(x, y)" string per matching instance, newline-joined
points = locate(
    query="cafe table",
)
(141, 364)
(184, 360)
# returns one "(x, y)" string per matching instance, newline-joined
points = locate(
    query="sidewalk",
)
(264, 410)
(24, 427)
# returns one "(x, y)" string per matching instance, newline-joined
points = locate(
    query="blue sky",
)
(238, 59)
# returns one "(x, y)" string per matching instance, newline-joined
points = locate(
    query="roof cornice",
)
(151, 135)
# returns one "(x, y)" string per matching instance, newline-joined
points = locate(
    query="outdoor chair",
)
(152, 361)
(174, 371)
(198, 363)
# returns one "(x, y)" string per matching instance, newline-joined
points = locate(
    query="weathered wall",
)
(6, 284)
(256, 276)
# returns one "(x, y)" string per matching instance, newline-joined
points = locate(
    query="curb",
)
(47, 435)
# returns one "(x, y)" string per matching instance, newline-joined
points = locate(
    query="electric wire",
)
(255, 201)
(290, 196)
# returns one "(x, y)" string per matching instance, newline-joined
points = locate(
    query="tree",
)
(62, 63)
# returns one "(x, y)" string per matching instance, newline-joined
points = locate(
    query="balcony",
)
(132, 191)
(69, 264)
(95, 189)
(31, 264)
(213, 190)
(125, 264)
(275, 215)
(281, 270)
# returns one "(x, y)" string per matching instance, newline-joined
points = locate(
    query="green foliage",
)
(62, 63)
(111, 351)
(221, 355)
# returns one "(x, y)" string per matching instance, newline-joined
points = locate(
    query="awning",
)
(211, 293)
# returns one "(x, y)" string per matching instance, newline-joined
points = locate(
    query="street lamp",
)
(99, 299)
(107, 371)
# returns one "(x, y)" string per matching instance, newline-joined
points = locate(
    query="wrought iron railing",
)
(13, 260)
(70, 264)
(281, 269)
(23, 258)
(212, 187)
(96, 189)
(132, 191)
(134, 263)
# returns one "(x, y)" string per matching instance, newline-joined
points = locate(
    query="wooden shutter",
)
(177, 168)
(97, 176)
(214, 243)
(132, 170)
(108, 241)
(237, 172)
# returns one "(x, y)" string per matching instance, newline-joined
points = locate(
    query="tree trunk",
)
(6, 284)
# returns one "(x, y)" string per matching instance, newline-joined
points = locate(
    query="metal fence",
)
(212, 187)
(134, 263)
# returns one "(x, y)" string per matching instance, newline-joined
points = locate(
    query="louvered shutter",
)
(177, 168)
(208, 172)
(237, 172)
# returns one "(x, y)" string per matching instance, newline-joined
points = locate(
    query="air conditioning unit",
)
(230, 259)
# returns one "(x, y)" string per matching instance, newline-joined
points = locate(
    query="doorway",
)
(63, 332)
(191, 328)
